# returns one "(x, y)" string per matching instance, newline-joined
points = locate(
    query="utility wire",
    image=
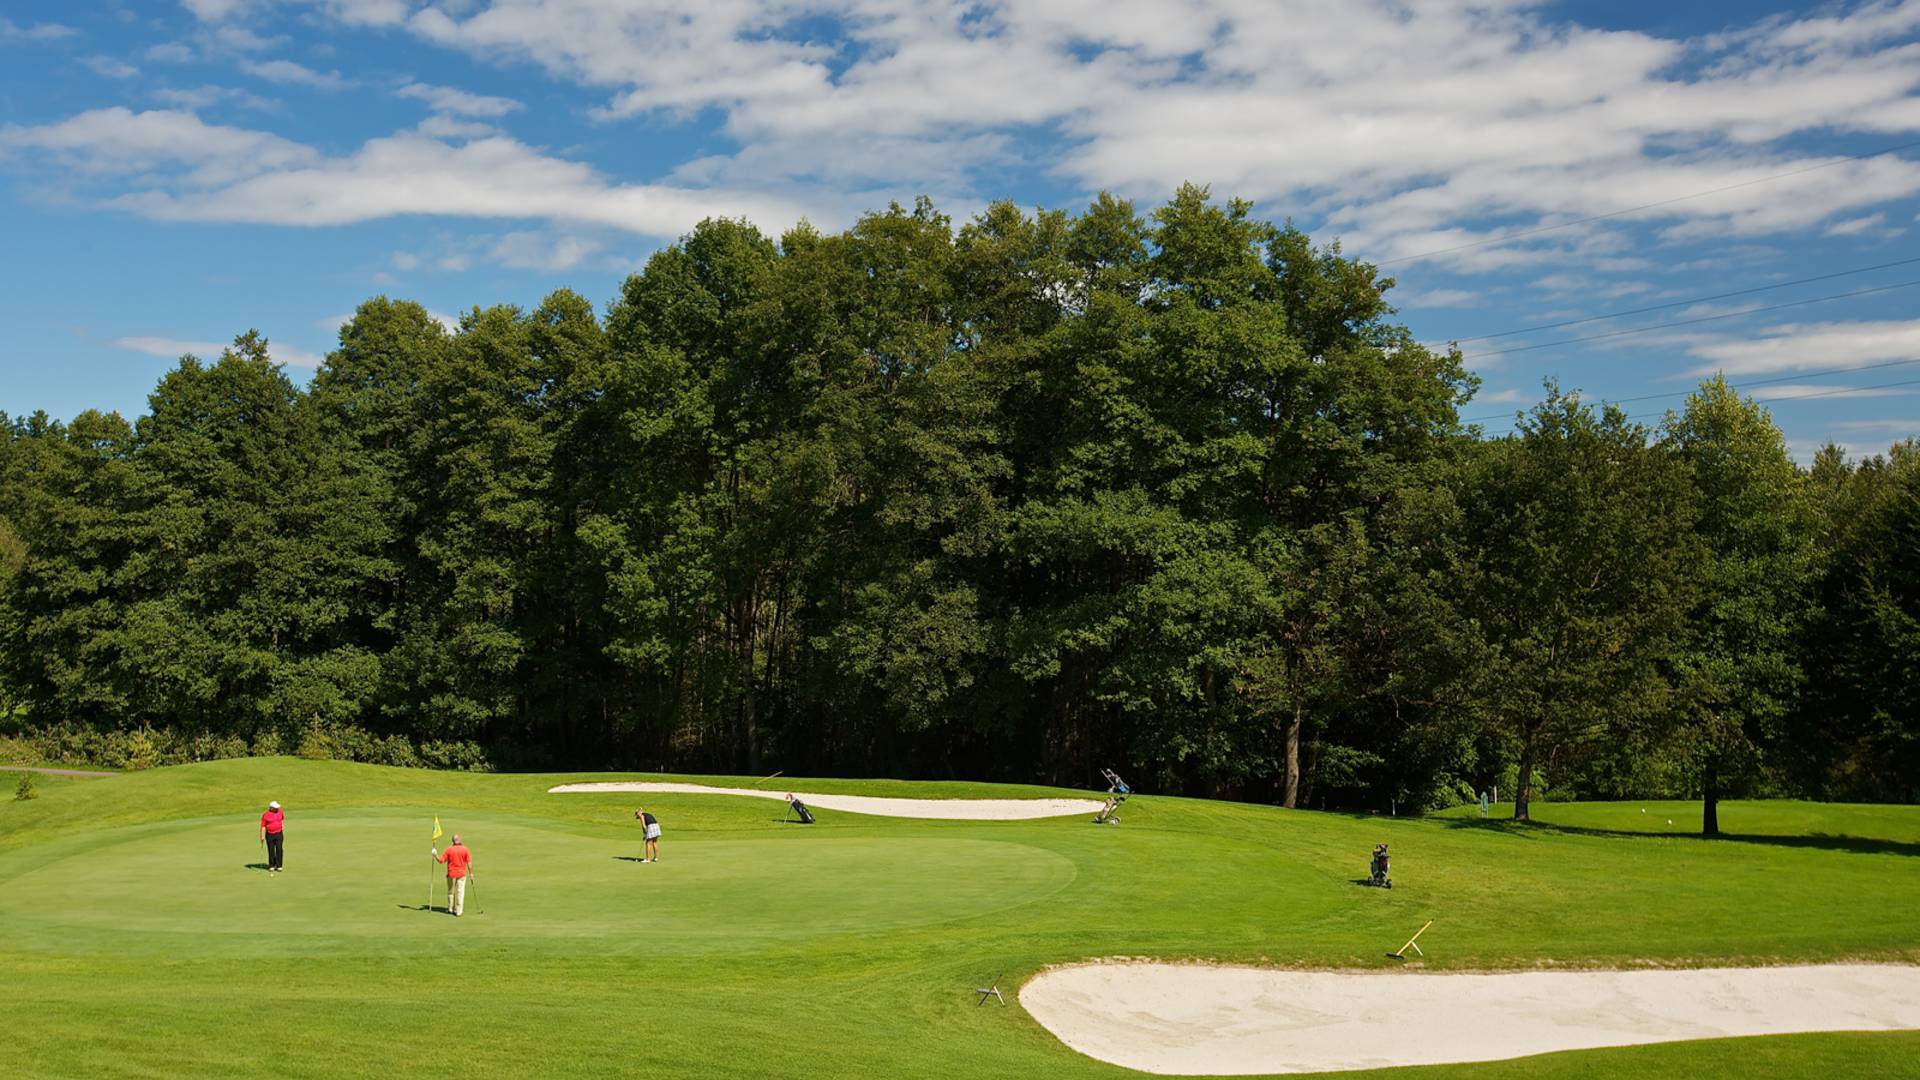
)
(1809, 397)
(1648, 206)
(1684, 303)
(1696, 321)
(1754, 382)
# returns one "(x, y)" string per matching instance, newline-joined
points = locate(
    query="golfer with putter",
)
(273, 825)
(651, 853)
(459, 869)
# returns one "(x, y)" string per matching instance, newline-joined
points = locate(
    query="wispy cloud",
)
(202, 97)
(1439, 298)
(446, 99)
(11, 31)
(1809, 346)
(1795, 391)
(108, 67)
(1900, 427)
(288, 72)
(187, 170)
(169, 348)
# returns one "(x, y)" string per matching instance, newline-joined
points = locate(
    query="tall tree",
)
(1737, 669)
(1582, 535)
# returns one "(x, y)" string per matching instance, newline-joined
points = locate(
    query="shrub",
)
(23, 790)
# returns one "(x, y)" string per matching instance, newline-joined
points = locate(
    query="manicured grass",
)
(136, 939)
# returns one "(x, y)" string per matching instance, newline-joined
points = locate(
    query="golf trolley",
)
(1117, 792)
(1377, 869)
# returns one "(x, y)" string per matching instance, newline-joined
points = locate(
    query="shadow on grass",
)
(628, 858)
(1858, 845)
(256, 866)
(421, 907)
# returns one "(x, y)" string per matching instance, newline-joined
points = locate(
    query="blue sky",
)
(172, 173)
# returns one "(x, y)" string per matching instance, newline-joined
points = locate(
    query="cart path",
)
(942, 809)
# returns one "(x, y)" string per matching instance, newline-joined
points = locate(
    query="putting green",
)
(354, 875)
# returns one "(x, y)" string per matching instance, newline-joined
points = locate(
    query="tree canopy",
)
(1022, 497)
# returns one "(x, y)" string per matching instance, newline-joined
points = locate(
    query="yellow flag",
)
(436, 826)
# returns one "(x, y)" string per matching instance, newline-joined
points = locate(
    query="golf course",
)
(141, 936)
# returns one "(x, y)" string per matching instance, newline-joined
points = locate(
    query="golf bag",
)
(1377, 869)
(1117, 792)
(795, 806)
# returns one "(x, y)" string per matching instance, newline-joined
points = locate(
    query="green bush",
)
(23, 790)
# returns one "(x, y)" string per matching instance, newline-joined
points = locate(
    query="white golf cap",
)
(273, 806)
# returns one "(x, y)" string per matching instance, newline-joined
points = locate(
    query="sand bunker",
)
(949, 809)
(1223, 1021)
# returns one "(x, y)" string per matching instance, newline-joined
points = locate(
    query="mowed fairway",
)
(138, 939)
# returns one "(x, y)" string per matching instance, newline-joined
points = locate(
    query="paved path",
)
(82, 774)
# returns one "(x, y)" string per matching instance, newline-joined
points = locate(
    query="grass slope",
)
(137, 939)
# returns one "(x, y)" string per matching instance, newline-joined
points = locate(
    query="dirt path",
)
(1234, 1021)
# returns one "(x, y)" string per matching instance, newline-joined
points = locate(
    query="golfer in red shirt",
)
(459, 868)
(273, 825)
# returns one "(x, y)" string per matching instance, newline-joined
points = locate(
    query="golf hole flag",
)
(436, 827)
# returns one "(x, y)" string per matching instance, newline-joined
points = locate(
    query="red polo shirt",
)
(457, 858)
(272, 820)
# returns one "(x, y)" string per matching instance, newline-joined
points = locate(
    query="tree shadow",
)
(1858, 845)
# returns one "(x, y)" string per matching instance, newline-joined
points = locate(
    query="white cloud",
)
(170, 348)
(254, 177)
(1795, 391)
(120, 142)
(109, 67)
(1398, 121)
(170, 52)
(1810, 346)
(1855, 226)
(214, 10)
(286, 71)
(201, 97)
(1504, 397)
(174, 348)
(332, 323)
(1438, 298)
(241, 39)
(294, 357)
(540, 251)
(1901, 427)
(12, 31)
(446, 127)
(446, 99)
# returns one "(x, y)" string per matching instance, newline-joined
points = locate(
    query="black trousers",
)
(276, 849)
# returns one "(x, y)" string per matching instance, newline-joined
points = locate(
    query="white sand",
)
(948, 809)
(1227, 1021)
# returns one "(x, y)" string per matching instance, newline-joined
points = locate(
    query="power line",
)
(1648, 206)
(1744, 385)
(1685, 303)
(1809, 397)
(1754, 382)
(1695, 322)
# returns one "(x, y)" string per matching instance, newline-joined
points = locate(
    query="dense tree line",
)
(1018, 499)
